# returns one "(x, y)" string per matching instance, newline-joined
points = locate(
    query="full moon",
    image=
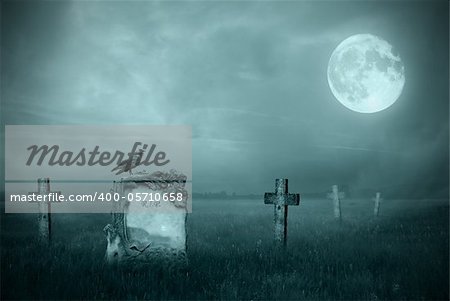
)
(364, 74)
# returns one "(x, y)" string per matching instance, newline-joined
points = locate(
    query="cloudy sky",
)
(251, 79)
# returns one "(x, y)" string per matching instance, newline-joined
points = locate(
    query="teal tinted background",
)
(250, 77)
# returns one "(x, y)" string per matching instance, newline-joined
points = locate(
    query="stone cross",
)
(377, 199)
(44, 217)
(281, 199)
(336, 196)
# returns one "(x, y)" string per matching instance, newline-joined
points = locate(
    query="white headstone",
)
(149, 221)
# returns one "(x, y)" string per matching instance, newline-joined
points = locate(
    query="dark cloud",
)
(249, 76)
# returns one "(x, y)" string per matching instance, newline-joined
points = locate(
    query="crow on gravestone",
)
(129, 164)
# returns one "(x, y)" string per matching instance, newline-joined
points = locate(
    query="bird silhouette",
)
(129, 164)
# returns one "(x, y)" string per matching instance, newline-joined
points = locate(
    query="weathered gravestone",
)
(336, 196)
(281, 199)
(149, 220)
(45, 214)
(377, 200)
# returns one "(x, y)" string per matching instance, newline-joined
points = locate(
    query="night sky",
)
(251, 79)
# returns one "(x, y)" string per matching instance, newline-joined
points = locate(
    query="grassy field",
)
(402, 255)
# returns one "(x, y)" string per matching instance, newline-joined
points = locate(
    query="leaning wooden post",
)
(377, 200)
(44, 216)
(336, 196)
(281, 199)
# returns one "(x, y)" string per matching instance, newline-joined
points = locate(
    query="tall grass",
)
(401, 255)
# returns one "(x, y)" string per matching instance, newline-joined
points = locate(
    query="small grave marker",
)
(281, 199)
(377, 199)
(44, 216)
(336, 196)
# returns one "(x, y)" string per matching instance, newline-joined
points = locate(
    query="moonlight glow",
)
(364, 74)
